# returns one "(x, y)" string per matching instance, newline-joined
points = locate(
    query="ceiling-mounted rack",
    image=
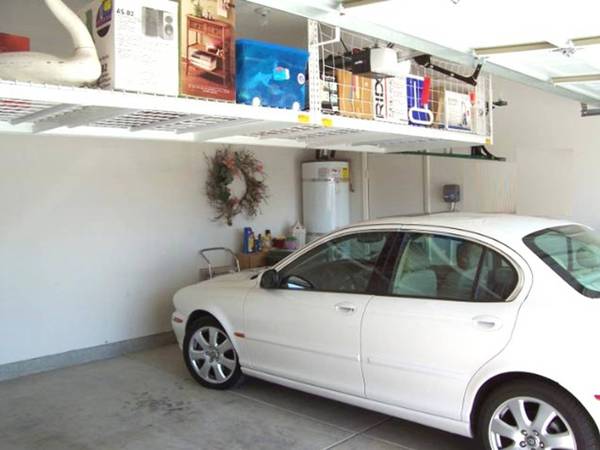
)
(42, 109)
(329, 12)
(478, 152)
(58, 110)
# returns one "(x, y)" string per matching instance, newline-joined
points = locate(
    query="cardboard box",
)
(453, 110)
(13, 43)
(480, 115)
(390, 102)
(208, 49)
(458, 111)
(355, 94)
(252, 260)
(329, 94)
(137, 44)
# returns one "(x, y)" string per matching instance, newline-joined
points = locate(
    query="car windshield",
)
(573, 252)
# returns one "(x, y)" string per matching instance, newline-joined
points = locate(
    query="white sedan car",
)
(480, 325)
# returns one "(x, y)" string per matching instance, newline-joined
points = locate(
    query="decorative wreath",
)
(223, 167)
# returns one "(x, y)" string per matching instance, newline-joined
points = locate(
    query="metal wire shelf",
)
(456, 102)
(33, 108)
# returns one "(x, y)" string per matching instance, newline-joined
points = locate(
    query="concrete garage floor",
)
(148, 401)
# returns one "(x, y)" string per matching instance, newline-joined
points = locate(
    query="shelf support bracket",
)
(586, 111)
(234, 128)
(82, 117)
(41, 115)
(150, 126)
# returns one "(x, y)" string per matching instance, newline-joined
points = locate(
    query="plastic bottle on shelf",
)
(252, 243)
(258, 245)
(299, 232)
(267, 241)
(247, 245)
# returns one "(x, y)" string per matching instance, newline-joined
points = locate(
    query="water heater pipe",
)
(427, 184)
(366, 212)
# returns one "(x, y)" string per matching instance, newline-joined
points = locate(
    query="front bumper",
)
(178, 322)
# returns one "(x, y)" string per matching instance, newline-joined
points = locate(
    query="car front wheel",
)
(210, 356)
(535, 416)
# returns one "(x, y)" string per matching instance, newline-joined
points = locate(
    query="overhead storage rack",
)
(45, 109)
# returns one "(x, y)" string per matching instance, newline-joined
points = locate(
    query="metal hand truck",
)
(211, 271)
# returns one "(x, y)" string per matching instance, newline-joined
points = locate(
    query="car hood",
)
(235, 276)
(227, 286)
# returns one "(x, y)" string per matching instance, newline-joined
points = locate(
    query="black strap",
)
(425, 61)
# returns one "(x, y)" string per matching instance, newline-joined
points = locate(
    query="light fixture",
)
(264, 14)
(568, 50)
(574, 79)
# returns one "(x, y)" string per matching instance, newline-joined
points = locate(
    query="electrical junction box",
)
(451, 193)
(137, 43)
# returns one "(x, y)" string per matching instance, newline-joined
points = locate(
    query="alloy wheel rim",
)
(212, 355)
(531, 424)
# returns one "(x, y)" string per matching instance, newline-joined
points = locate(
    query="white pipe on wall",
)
(366, 213)
(427, 184)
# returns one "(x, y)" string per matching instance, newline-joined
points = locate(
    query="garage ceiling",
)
(554, 58)
(551, 41)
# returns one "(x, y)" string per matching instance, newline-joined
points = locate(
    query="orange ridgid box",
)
(207, 49)
(13, 43)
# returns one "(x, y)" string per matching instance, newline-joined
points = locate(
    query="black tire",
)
(234, 377)
(582, 426)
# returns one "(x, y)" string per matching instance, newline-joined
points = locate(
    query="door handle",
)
(488, 323)
(345, 308)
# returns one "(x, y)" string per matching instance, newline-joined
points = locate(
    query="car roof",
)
(503, 227)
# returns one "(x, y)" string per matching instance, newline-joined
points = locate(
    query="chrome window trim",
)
(423, 229)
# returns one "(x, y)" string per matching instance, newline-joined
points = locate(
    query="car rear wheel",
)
(535, 416)
(210, 355)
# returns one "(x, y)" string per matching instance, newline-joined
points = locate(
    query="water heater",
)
(325, 196)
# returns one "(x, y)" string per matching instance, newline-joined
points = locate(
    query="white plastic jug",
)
(299, 232)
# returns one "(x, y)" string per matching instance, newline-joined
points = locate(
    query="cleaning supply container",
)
(271, 75)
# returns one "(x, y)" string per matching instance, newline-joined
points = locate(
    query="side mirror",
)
(270, 279)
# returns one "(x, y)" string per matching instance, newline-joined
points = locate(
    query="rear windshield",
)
(573, 252)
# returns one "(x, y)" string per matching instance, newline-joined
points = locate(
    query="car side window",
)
(497, 278)
(450, 268)
(345, 264)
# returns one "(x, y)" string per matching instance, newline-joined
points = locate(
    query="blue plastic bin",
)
(271, 75)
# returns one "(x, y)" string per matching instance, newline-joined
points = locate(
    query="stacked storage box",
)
(390, 100)
(136, 42)
(271, 75)
(207, 49)
(355, 95)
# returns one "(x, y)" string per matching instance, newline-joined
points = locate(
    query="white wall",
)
(556, 150)
(552, 169)
(97, 235)
(396, 185)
